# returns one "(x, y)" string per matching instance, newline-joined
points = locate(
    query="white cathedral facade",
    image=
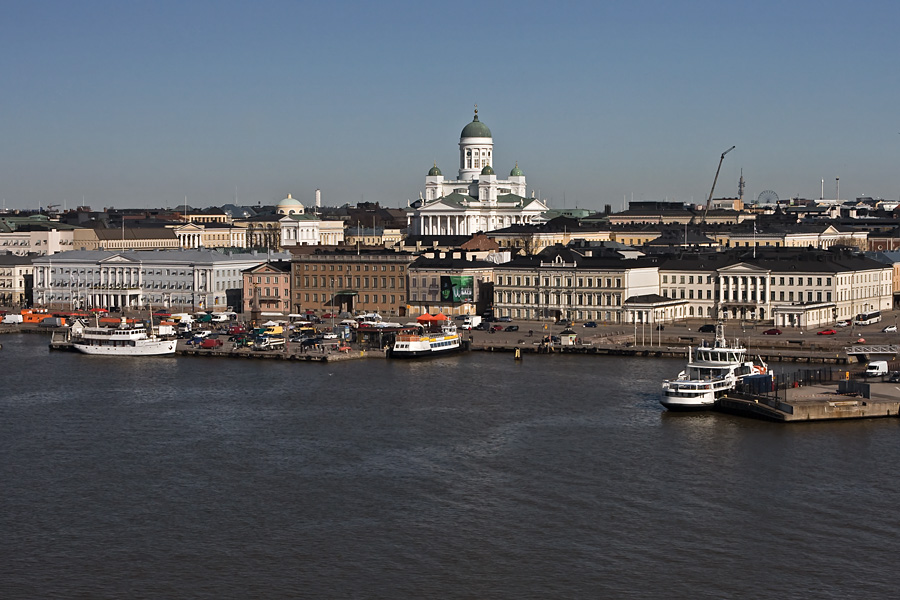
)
(477, 200)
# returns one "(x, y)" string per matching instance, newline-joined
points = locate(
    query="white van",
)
(876, 368)
(12, 319)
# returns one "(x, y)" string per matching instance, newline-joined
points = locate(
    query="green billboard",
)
(457, 288)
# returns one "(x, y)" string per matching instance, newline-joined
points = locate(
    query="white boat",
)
(123, 340)
(711, 372)
(427, 343)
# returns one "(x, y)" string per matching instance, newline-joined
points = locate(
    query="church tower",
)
(476, 149)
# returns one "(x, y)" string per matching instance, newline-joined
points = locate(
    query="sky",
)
(144, 104)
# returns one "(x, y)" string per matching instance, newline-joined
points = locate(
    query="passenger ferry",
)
(711, 372)
(122, 341)
(427, 343)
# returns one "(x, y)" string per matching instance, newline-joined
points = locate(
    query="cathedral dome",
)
(487, 170)
(289, 206)
(434, 171)
(516, 172)
(476, 129)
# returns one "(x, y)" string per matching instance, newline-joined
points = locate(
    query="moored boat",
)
(123, 340)
(711, 372)
(436, 338)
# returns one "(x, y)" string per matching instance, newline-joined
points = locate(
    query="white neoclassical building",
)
(300, 228)
(175, 279)
(477, 200)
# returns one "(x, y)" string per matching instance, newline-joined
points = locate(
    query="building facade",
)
(560, 283)
(452, 283)
(267, 289)
(778, 286)
(16, 279)
(354, 280)
(172, 279)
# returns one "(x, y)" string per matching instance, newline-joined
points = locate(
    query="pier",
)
(819, 403)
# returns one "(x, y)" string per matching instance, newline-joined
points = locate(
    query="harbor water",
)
(470, 476)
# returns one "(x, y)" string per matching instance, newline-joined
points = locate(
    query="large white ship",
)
(711, 372)
(122, 341)
(444, 340)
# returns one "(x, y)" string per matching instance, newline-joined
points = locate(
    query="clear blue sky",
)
(143, 103)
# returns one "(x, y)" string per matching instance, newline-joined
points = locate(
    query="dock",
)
(852, 399)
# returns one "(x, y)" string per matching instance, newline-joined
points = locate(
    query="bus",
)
(868, 318)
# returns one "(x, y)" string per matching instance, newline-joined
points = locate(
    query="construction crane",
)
(716, 178)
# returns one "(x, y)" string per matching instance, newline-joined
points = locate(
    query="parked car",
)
(772, 331)
(504, 319)
(589, 324)
(826, 332)
(497, 328)
(842, 324)
(511, 328)
(890, 329)
(329, 336)
(709, 328)
(895, 377)
(567, 323)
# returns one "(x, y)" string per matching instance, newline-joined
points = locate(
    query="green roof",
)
(476, 129)
(434, 171)
(487, 170)
(516, 172)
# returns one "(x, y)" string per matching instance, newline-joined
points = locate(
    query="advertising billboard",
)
(457, 288)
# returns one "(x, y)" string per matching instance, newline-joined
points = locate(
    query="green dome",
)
(434, 171)
(476, 129)
(516, 172)
(487, 170)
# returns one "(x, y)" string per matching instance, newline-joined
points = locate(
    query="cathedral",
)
(476, 200)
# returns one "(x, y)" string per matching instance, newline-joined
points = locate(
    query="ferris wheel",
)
(767, 197)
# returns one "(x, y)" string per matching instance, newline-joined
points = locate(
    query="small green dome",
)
(487, 170)
(516, 172)
(434, 171)
(476, 129)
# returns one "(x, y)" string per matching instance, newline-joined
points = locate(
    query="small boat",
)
(711, 372)
(435, 341)
(123, 340)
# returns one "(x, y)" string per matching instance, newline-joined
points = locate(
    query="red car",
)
(497, 328)
(210, 343)
(772, 332)
(827, 332)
